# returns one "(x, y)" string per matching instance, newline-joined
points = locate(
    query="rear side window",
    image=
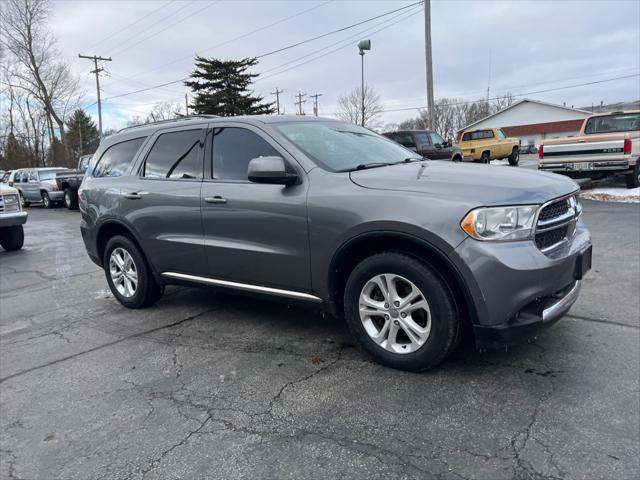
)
(233, 149)
(33, 176)
(422, 138)
(175, 155)
(117, 158)
(479, 135)
(405, 139)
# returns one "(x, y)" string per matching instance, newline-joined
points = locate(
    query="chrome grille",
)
(556, 223)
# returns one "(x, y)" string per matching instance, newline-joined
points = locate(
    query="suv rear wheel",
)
(128, 274)
(401, 311)
(70, 199)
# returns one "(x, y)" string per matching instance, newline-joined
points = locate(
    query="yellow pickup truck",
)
(486, 144)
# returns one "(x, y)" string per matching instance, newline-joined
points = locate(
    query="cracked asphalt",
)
(212, 385)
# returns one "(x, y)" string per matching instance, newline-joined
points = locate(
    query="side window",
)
(405, 139)
(115, 160)
(33, 176)
(466, 137)
(436, 139)
(233, 149)
(24, 177)
(175, 155)
(422, 138)
(501, 134)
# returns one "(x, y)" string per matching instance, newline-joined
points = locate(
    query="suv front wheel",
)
(401, 311)
(128, 274)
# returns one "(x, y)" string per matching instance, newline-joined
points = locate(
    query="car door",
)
(505, 147)
(32, 187)
(424, 145)
(161, 200)
(253, 233)
(442, 150)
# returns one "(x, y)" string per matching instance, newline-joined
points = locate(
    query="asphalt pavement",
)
(207, 384)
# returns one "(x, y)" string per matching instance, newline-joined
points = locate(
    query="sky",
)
(516, 46)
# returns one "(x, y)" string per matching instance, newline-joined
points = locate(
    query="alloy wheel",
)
(395, 313)
(124, 273)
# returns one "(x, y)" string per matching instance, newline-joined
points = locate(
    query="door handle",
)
(216, 199)
(135, 195)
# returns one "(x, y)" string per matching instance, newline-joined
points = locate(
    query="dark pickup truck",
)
(69, 182)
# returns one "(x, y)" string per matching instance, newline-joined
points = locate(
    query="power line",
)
(275, 51)
(244, 35)
(519, 94)
(131, 24)
(337, 31)
(141, 32)
(162, 30)
(346, 45)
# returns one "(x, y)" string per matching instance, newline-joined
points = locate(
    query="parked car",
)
(608, 144)
(526, 149)
(38, 185)
(11, 219)
(69, 181)
(5, 177)
(486, 144)
(426, 143)
(318, 210)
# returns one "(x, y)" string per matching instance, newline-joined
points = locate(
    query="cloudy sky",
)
(515, 46)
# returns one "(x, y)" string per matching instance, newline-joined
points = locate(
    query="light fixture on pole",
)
(363, 45)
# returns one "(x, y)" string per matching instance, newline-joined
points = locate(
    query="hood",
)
(479, 185)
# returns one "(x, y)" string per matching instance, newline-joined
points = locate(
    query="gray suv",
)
(410, 252)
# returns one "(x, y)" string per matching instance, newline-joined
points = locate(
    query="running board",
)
(242, 286)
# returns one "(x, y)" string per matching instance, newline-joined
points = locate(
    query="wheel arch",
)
(362, 246)
(112, 228)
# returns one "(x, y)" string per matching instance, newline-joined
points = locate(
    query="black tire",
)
(46, 200)
(148, 291)
(485, 158)
(457, 158)
(445, 320)
(23, 202)
(70, 199)
(514, 158)
(633, 178)
(12, 238)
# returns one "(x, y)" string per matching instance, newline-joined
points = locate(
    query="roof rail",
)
(183, 117)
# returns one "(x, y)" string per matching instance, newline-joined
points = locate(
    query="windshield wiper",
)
(409, 160)
(364, 166)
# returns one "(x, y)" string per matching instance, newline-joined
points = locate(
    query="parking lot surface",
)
(210, 384)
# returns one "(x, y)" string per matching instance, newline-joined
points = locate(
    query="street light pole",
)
(363, 45)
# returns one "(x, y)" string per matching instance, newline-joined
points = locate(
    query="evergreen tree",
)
(82, 135)
(221, 87)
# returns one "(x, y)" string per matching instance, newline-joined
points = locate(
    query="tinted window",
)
(175, 155)
(47, 174)
(117, 158)
(404, 139)
(422, 138)
(479, 135)
(233, 149)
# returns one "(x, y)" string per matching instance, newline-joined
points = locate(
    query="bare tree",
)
(160, 111)
(350, 106)
(26, 38)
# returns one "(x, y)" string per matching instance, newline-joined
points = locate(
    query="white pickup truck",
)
(608, 144)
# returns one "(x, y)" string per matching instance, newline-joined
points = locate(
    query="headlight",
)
(10, 199)
(500, 223)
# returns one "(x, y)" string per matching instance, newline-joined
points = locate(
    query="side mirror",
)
(270, 170)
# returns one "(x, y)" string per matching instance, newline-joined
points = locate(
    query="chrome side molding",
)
(242, 286)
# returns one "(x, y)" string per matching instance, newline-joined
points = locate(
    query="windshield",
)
(340, 147)
(613, 123)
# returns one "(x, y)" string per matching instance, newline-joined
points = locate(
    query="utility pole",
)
(277, 94)
(186, 105)
(429, 62)
(300, 102)
(97, 71)
(315, 103)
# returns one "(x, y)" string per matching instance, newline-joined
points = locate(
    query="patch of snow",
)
(612, 194)
(499, 162)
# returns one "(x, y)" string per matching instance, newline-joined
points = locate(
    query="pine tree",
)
(221, 87)
(82, 135)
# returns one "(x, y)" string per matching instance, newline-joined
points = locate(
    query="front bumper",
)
(13, 219)
(516, 289)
